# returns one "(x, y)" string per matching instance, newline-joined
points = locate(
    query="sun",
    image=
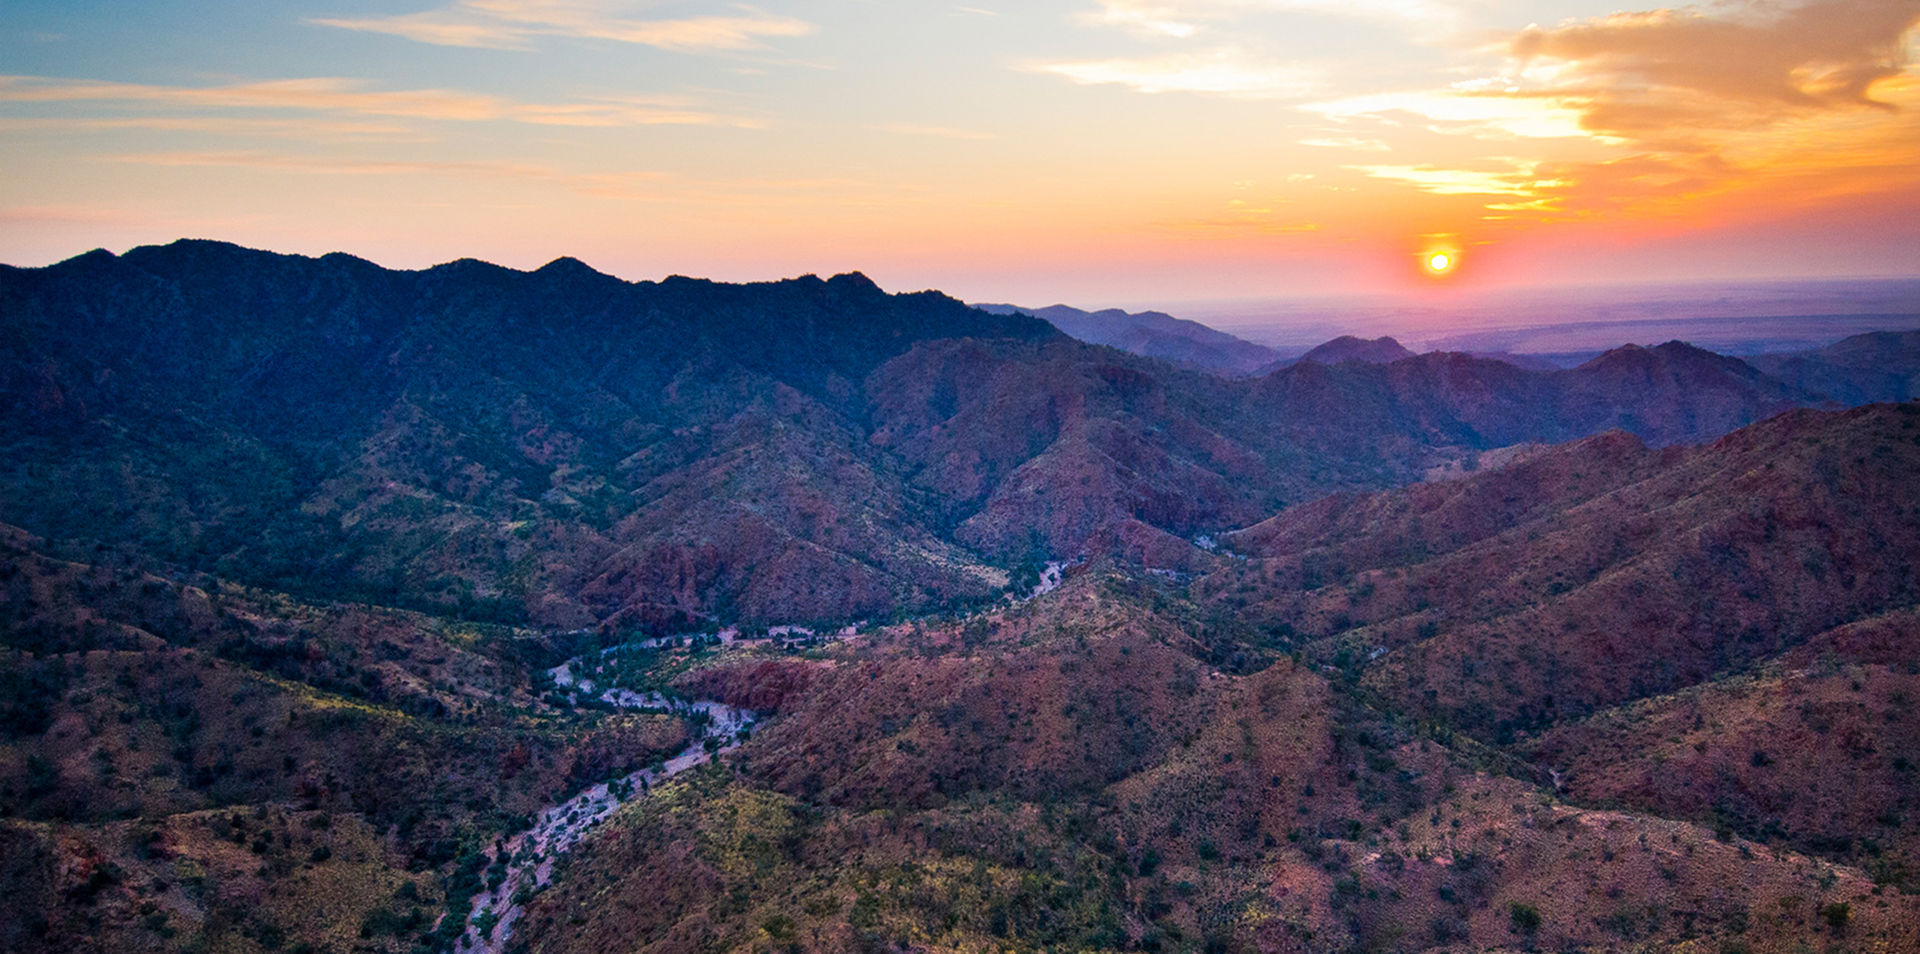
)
(1439, 262)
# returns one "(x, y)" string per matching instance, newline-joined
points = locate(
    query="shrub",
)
(1837, 915)
(1526, 917)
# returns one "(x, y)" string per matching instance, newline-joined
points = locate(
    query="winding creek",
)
(531, 854)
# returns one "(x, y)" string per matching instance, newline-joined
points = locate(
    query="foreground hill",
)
(196, 766)
(1540, 598)
(1077, 774)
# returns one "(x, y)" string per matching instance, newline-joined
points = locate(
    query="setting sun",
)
(1440, 262)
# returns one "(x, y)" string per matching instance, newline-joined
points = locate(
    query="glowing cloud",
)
(1220, 72)
(1438, 181)
(1462, 109)
(1632, 73)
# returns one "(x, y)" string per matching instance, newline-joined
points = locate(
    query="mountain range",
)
(566, 448)
(1367, 651)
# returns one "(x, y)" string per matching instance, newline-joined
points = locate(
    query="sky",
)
(1096, 152)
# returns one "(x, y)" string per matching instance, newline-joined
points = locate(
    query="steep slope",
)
(1673, 393)
(473, 437)
(1072, 774)
(1602, 571)
(1816, 749)
(204, 766)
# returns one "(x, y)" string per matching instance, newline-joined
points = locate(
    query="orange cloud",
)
(1646, 75)
(1721, 112)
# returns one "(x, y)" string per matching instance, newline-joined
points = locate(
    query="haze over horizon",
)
(1097, 152)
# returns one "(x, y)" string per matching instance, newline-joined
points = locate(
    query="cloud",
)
(1347, 142)
(1220, 72)
(515, 24)
(1644, 75)
(1522, 180)
(216, 125)
(326, 93)
(335, 165)
(1702, 108)
(625, 185)
(338, 95)
(1463, 108)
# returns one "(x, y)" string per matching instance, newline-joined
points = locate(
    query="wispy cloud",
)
(624, 185)
(1518, 181)
(1461, 109)
(217, 125)
(325, 93)
(628, 185)
(1347, 142)
(338, 95)
(1221, 72)
(336, 165)
(516, 24)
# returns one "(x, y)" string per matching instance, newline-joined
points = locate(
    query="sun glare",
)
(1439, 262)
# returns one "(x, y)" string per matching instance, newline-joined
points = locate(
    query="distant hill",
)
(1878, 366)
(1346, 348)
(1154, 334)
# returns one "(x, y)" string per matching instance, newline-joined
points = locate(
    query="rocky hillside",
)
(1090, 772)
(1590, 594)
(194, 765)
(563, 448)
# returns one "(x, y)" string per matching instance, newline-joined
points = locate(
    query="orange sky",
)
(1092, 151)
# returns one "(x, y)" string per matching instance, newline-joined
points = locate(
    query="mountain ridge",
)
(565, 447)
